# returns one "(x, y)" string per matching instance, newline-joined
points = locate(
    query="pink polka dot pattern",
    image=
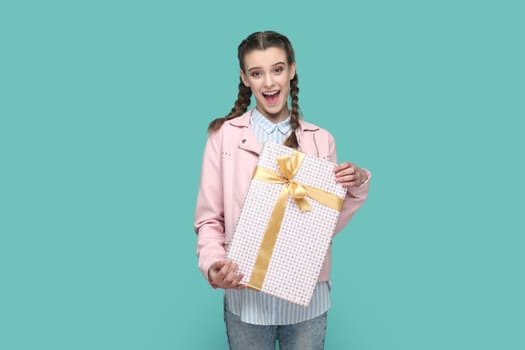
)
(304, 237)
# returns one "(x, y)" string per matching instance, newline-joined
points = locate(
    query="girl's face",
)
(268, 75)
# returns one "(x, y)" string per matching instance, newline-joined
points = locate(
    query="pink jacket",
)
(229, 160)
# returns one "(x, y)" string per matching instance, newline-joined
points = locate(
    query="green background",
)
(104, 107)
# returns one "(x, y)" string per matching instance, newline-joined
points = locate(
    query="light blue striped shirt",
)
(261, 308)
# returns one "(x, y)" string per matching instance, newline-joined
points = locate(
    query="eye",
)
(256, 74)
(278, 69)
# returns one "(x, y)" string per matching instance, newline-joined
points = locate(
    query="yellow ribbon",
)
(288, 165)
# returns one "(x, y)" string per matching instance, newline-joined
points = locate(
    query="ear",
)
(244, 79)
(292, 71)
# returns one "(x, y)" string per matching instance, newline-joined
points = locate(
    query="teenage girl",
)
(256, 320)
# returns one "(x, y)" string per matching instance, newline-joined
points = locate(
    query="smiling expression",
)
(268, 74)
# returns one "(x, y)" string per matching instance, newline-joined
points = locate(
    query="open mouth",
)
(271, 97)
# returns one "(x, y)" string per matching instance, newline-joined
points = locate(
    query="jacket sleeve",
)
(355, 196)
(209, 211)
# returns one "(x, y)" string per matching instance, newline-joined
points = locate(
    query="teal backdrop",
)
(103, 113)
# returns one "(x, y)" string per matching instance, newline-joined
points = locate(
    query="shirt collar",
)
(269, 127)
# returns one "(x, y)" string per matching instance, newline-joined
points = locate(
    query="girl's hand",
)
(223, 274)
(350, 175)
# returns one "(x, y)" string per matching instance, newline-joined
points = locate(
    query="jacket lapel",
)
(248, 140)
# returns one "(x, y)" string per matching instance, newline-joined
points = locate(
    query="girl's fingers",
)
(241, 286)
(231, 275)
(350, 181)
(355, 179)
(345, 172)
(227, 276)
(237, 280)
(342, 166)
(221, 274)
(345, 167)
(347, 178)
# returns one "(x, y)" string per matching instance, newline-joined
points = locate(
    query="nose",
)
(268, 80)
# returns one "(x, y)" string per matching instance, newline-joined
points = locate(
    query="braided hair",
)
(262, 41)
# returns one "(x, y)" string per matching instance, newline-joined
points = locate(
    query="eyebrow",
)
(273, 65)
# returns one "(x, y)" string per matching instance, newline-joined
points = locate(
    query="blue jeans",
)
(308, 335)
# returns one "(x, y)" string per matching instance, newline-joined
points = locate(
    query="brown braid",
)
(291, 141)
(262, 41)
(240, 106)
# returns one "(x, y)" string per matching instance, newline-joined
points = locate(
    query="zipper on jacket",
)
(315, 143)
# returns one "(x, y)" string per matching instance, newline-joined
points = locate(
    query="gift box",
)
(286, 224)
